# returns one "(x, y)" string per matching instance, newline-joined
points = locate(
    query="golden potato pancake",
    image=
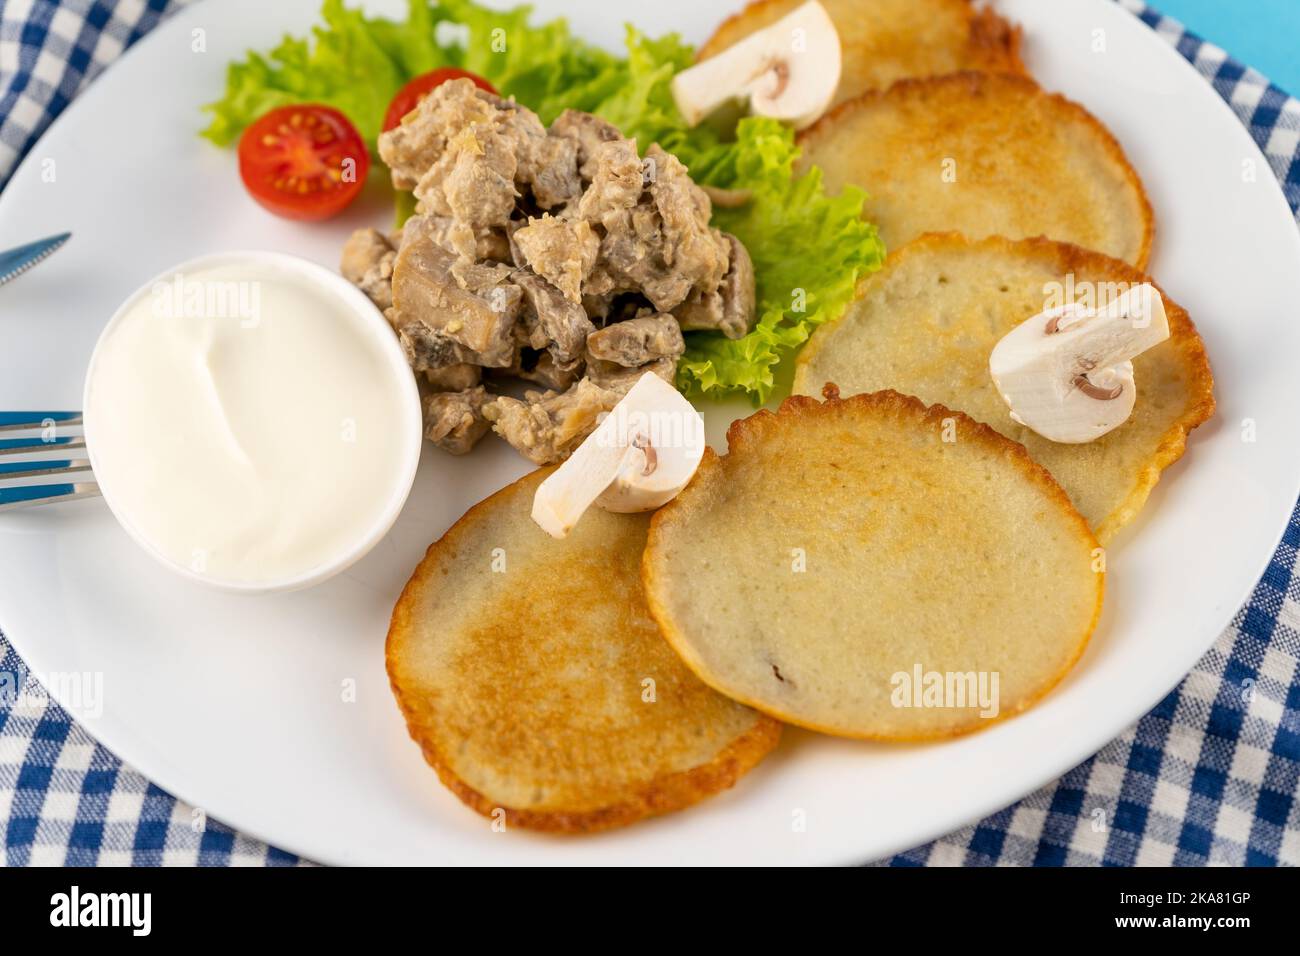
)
(887, 40)
(984, 155)
(537, 686)
(927, 321)
(845, 555)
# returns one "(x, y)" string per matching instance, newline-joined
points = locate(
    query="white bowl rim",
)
(372, 322)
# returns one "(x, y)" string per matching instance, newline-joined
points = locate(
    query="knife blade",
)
(15, 262)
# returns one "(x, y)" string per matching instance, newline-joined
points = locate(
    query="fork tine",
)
(31, 421)
(21, 446)
(15, 470)
(31, 460)
(27, 496)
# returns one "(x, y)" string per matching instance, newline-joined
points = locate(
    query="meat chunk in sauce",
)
(638, 341)
(367, 262)
(561, 251)
(479, 243)
(618, 180)
(453, 378)
(586, 132)
(469, 154)
(657, 239)
(619, 378)
(454, 420)
(471, 305)
(729, 309)
(523, 237)
(551, 321)
(546, 427)
(540, 368)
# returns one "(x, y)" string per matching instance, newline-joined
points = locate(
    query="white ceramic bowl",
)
(410, 427)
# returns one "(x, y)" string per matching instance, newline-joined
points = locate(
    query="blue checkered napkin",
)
(50, 51)
(1209, 776)
(65, 800)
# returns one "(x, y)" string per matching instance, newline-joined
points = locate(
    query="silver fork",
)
(37, 450)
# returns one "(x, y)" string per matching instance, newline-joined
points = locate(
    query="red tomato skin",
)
(409, 96)
(312, 157)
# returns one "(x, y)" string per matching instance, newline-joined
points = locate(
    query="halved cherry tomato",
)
(305, 161)
(409, 96)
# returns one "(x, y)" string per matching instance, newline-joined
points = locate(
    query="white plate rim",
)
(1048, 771)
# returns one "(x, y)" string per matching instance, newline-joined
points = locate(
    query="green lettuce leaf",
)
(809, 249)
(355, 64)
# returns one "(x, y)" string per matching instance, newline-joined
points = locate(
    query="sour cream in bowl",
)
(252, 421)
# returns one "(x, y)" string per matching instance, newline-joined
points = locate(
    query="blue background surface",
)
(1263, 33)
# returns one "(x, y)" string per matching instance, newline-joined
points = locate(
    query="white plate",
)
(236, 704)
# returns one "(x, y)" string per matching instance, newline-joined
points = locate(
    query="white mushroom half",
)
(641, 455)
(788, 71)
(1067, 373)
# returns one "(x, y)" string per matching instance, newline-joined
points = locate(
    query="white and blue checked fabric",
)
(1208, 777)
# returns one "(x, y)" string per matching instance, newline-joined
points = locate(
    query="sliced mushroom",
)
(1068, 375)
(789, 71)
(642, 454)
